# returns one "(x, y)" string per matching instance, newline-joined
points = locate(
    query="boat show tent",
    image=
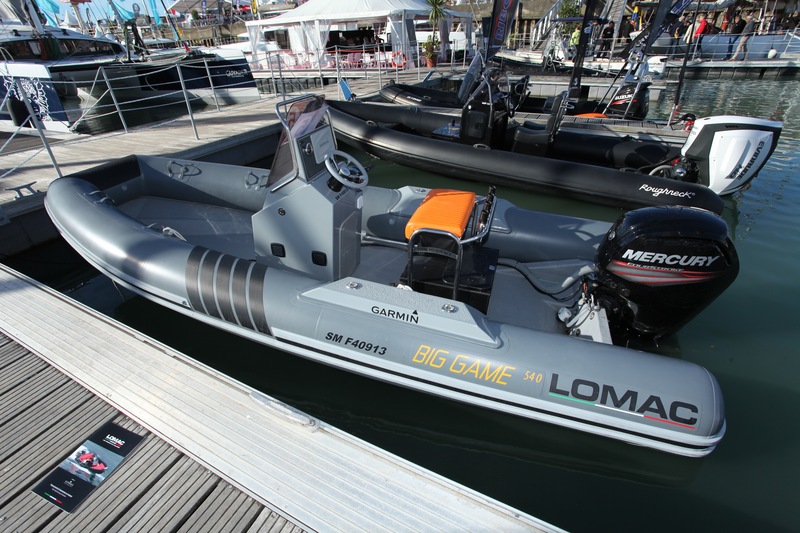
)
(310, 24)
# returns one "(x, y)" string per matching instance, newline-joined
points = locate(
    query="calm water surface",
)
(751, 482)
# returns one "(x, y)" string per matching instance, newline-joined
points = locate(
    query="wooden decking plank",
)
(164, 506)
(15, 374)
(34, 512)
(225, 509)
(21, 509)
(28, 512)
(271, 522)
(63, 407)
(114, 500)
(19, 400)
(9, 352)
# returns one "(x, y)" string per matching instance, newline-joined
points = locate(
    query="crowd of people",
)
(688, 31)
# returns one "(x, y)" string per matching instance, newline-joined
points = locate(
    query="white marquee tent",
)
(310, 24)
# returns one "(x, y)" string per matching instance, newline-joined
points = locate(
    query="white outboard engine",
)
(658, 267)
(725, 152)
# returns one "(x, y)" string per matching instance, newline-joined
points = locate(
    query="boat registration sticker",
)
(87, 466)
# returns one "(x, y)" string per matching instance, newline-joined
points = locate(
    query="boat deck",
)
(235, 447)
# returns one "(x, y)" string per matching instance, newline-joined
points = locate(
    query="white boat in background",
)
(562, 61)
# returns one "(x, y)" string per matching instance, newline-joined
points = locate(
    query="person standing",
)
(695, 33)
(735, 31)
(625, 30)
(574, 40)
(676, 32)
(748, 30)
(607, 40)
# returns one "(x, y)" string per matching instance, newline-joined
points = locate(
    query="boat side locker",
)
(446, 256)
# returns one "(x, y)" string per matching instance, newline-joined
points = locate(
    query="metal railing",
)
(125, 93)
(287, 71)
(111, 99)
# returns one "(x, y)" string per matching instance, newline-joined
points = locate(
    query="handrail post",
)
(114, 99)
(280, 77)
(379, 54)
(364, 63)
(188, 104)
(211, 82)
(37, 123)
(272, 74)
(320, 55)
(336, 60)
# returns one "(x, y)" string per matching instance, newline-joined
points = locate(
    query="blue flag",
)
(503, 15)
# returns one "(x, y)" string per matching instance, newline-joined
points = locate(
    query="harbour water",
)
(575, 481)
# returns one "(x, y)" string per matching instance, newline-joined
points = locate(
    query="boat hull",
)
(592, 183)
(358, 324)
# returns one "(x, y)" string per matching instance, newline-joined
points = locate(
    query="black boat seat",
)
(537, 140)
(440, 226)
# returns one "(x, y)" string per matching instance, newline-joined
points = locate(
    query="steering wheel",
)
(518, 93)
(346, 169)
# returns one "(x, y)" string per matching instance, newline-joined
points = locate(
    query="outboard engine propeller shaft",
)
(658, 267)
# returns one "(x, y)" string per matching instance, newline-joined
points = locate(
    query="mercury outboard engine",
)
(631, 101)
(725, 152)
(658, 267)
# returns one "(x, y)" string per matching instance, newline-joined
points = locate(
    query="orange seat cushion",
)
(443, 209)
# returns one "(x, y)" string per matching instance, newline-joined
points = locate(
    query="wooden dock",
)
(44, 414)
(217, 455)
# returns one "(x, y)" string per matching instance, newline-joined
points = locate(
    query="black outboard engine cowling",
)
(630, 103)
(658, 267)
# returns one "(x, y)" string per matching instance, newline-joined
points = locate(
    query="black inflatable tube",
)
(608, 186)
(569, 145)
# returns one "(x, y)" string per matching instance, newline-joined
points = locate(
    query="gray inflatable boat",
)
(443, 291)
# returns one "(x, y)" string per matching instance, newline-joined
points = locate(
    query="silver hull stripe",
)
(228, 288)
